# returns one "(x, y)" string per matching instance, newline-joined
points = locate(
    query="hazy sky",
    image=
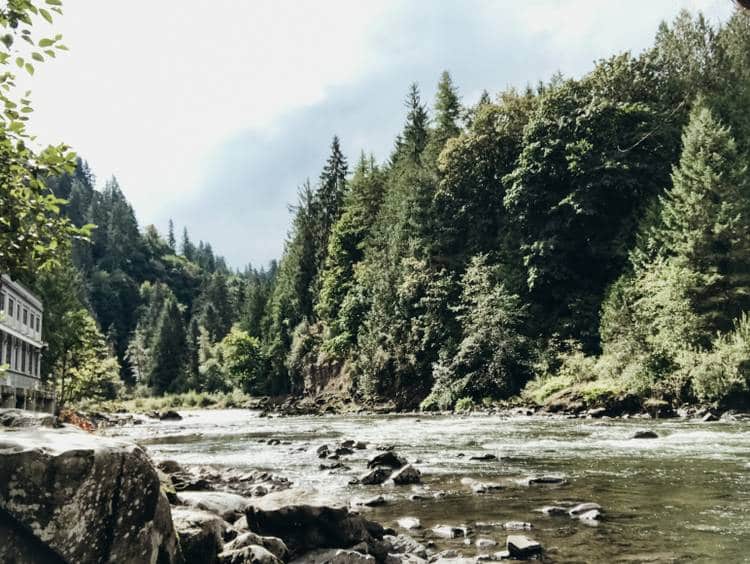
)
(213, 112)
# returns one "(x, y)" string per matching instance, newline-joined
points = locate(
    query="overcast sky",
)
(213, 112)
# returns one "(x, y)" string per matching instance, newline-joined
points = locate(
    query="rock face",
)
(66, 495)
(305, 527)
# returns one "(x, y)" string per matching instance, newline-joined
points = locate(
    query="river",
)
(681, 497)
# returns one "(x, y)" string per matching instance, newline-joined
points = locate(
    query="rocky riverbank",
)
(69, 496)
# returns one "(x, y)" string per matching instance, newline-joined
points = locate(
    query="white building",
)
(20, 336)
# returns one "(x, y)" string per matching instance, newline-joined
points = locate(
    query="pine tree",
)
(168, 349)
(217, 312)
(447, 110)
(187, 248)
(171, 241)
(415, 134)
(705, 220)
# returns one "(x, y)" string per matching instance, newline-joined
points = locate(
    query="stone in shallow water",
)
(482, 543)
(554, 510)
(520, 546)
(545, 480)
(582, 508)
(483, 457)
(376, 501)
(449, 532)
(517, 526)
(409, 523)
(645, 435)
(388, 458)
(375, 476)
(407, 475)
(591, 518)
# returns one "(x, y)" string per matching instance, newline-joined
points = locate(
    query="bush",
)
(464, 404)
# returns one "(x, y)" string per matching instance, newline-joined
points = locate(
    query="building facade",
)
(21, 315)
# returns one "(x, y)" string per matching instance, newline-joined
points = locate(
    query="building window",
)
(18, 311)
(10, 307)
(23, 357)
(8, 349)
(2, 348)
(2, 301)
(38, 328)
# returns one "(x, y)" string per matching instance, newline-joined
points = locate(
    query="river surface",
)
(682, 497)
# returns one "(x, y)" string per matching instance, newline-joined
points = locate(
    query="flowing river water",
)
(681, 497)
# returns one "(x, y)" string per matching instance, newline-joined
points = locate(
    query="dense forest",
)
(590, 233)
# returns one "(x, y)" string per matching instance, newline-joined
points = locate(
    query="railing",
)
(19, 380)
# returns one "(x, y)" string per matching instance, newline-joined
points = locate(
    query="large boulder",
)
(306, 527)
(228, 506)
(82, 498)
(201, 534)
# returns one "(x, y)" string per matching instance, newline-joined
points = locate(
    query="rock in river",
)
(387, 458)
(407, 475)
(522, 547)
(375, 476)
(645, 435)
(484, 457)
(68, 495)
(582, 508)
(305, 527)
(409, 523)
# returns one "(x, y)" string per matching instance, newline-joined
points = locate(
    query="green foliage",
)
(464, 404)
(243, 362)
(493, 357)
(168, 346)
(33, 232)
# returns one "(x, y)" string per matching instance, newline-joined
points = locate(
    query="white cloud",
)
(154, 91)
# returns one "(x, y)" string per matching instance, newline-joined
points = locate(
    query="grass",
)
(187, 400)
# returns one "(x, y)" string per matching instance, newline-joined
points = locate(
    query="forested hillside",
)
(589, 233)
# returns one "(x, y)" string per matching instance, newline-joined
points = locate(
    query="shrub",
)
(464, 404)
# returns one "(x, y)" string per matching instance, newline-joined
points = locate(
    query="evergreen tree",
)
(447, 110)
(416, 133)
(187, 248)
(168, 349)
(171, 241)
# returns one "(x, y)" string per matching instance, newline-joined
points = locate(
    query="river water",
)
(682, 497)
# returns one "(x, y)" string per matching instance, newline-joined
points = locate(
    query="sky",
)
(212, 113)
